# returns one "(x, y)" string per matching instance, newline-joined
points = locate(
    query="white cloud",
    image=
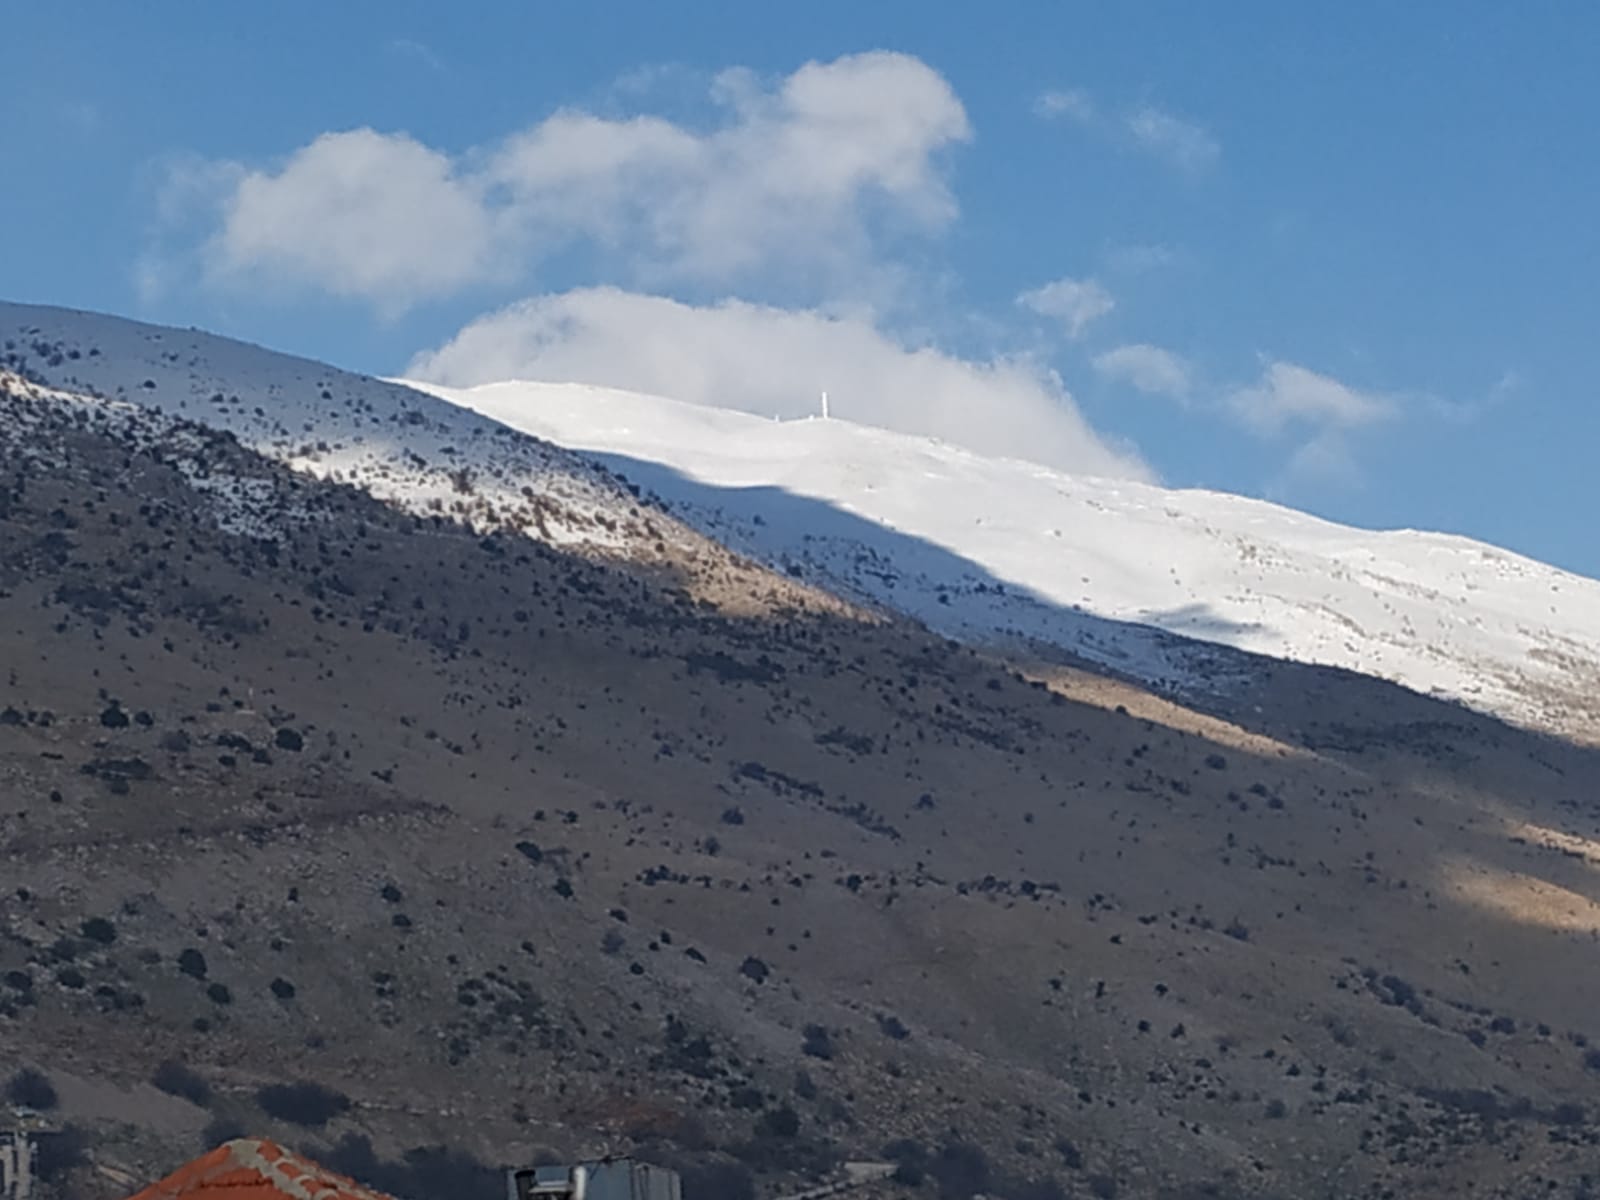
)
(774, 362)
(1288, 394)
(1073, 302)
(363, 214)
(1182, 143)
(1150, 369)
(796, 180)
(1073, 104)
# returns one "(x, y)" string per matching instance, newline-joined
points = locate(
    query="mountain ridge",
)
(1384, 607)
(1154, 583)
(418, 843)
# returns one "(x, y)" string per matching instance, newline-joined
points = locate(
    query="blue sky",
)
(1339, 256)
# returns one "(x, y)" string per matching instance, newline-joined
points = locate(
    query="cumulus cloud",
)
(1150, 369)
(796, 177)
(1288, 395)
(1073, 302)
(363, 214)
(1181, 143)
(775, 362)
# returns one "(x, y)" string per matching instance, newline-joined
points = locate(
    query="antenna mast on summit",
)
(824, 406)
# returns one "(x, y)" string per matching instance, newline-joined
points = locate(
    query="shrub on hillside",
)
(818, 1042)
(220, 1130)
(303, 1103)
(961, 1170)
(60, 1152)
(719, 1181)
(32, 1089)
(422, 1170)
(175, 1079)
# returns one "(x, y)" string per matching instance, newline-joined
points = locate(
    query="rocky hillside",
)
(427, 846)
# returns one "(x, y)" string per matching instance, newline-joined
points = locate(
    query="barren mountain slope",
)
(518, 852)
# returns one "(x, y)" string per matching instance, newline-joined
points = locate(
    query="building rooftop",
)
(255, 1169)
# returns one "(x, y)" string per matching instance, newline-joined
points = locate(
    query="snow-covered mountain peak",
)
(1122, 573)
(1161, 585)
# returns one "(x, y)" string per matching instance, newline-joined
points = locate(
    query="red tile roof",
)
(255, 1169)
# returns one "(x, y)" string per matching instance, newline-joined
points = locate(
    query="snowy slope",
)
(986, 549)
(1142, 579)
(401, 446)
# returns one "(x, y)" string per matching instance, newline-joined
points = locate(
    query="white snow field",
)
(1139, 578)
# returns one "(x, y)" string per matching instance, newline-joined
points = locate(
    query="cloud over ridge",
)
(775, 362)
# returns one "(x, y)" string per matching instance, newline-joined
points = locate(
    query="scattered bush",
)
(719, 1181)
(60, 1152)
(98, 929)
(32, 1089)
(818, 1042)
(892, 1027)
(175, 1079)
(220, 1130)
(960, 1170)
(304, 1103)
(779, 1123)
(1071, 1156)
(422, 1171)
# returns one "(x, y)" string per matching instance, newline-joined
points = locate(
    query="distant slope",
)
(1104, 569)
(396, 444)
